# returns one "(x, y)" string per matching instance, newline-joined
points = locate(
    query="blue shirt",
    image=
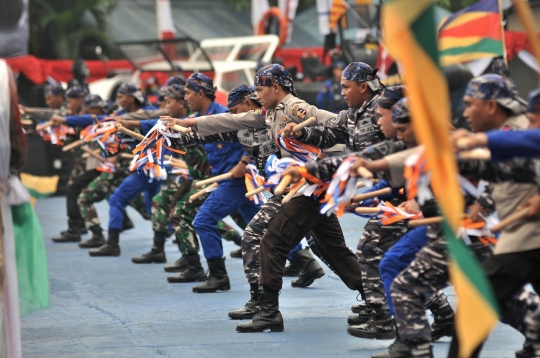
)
(222, 156)
(329, 97)
(506, 145)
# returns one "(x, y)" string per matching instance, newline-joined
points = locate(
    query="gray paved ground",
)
(109, 307)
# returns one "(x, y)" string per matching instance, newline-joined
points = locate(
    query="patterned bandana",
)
(499, 88)
(94, 100)
(179, 80)
(362, 72)
(75, 92)
(176, 92)
(200, 83)
(131, 89)
(54, 89)
(275, 74)
(390, 96)
(239, 93)
(534, 102)
(400, 112)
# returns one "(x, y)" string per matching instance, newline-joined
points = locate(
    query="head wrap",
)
(400, 111)
(534, 102)
(339, 64)
(75, 92)
(176, 92)
(131, 89)
(239, 93)
(161, 93)
(54, 89)
(94, 100)
(200, 83)
(274, 74)
(179, 80)
(390, 95)
(499, 88)
(362, 72)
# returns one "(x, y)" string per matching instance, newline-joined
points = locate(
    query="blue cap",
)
(131, 89)
(390, 96)
(496, 87)
(274, 74)
(94, 100)
(54, 89)
(200, 83)
(75, 92)
(400, 112)
(179, 80)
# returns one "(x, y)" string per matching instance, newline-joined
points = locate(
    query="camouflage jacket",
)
(257, 143)
(356, 127)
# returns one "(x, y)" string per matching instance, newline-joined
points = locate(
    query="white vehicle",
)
(229, 61)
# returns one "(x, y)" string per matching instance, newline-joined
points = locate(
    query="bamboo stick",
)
(280, 188)
(363, 210)
(372, 194)
(511, 219)
(73, 145)
(249, 194)
(305, 123)
(291, 193)
(200, 193)
(213, 179)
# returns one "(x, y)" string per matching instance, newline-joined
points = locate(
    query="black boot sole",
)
(309, 280)
(275, 328)
(358, 320)
(436, 335)
(241, 316)
(381, 336)
(176, 280)
(64, 241)
(212, 290)
(162, 261)
(96, 254)
(82, 245)
(175, 269)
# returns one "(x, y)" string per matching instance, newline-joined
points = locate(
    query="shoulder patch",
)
(301, 113)
(259, 112)
(281, 105)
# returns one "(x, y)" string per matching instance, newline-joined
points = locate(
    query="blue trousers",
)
(228, 197)
(130, 188)
(399, 257)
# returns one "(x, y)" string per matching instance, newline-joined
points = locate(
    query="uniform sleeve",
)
(44, 114)
(227, 122)
(195, 138)
(396, 164)
(145, 114)
(82, 121)
(325, 169)
(330, 131)
(505, 145)
(146, 125)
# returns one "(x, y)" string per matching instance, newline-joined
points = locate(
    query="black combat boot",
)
(156, 254)
(420, 350)
(443, 324)
(72, 234)
(127, 224)
(293, 269)
(527, 351)
(363, 314)
(379, 326)
(268, 317)
(97, 239)
(193, 271)
(179, 265)
(397, 349)
(80, 226)
(311, 270)
(217, 280)
(111, 248)
(252, 306)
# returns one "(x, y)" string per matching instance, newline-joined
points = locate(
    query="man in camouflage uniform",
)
(301, 215)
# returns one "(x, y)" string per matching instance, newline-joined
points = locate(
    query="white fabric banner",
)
(288, 7)
(258, 8)
(165, 22)
(323, 13)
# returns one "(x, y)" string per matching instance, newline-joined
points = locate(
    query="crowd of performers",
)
(268, 139)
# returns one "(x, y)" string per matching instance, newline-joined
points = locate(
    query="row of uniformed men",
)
(406, 267)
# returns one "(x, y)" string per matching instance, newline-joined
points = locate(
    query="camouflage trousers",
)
(413, 287)
(251, 240)
(172, 205)
(373, 244)
(100, 189)
(78, 169)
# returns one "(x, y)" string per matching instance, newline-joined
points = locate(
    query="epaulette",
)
(281, 105)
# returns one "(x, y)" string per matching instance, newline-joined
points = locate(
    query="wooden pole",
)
(92, 154)
(249, 194)
(305, 123)
(372, 194)
(179, 128)
(44, 126)
(213, 180)
(291, 193)
(73, 145)
(479, 154)
(130, 133)
(363, 172)
(367, 210)
(200, 193)
(511, 219)
(86, 155)
(280, 188)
